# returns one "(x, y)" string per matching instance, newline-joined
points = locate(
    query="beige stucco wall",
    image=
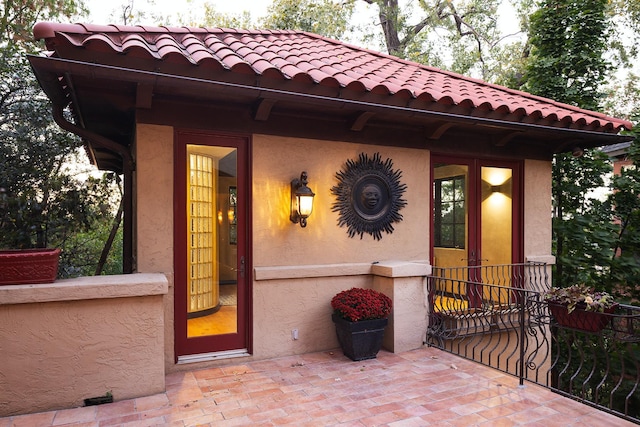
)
(154, 198)
(405, 283)
(63, 342)
(154, 215)
(297, 270)
(537, 211)
(279, 306)
(277, 241)
(303, 303)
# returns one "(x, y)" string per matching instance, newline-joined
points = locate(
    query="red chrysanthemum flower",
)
(358, 304)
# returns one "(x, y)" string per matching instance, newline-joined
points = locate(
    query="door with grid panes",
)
(476, 219)
(211, 281)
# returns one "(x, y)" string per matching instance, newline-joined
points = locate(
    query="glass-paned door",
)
(211, 281)
(475, 220)
(203, 290)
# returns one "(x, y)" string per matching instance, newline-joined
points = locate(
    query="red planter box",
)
(28, 266)
(590, 321)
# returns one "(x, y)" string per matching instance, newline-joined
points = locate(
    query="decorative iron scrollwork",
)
(368, 196)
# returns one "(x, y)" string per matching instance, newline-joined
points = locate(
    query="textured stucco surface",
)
(154, 198)
(303, 303)
(405, 284)
(537, 210)
(277, 241)
(154, 215)
(57, 353)
(298, 270)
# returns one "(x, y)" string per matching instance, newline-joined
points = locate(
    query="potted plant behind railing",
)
(580, 307)
(360, 316)
(24, 262)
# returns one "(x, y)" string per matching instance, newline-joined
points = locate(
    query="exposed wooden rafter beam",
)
(361, 120)
(440, 130)
(263, 109)
(506, 138)
(144, 95)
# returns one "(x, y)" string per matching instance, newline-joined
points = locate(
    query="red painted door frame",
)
(215, 343)
(474, 237)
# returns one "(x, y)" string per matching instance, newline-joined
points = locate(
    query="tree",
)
(17, 17)
(569, 39)
(462, 36)
(326, 17)
(140, 12)
(42, 201)
(624, 271)
(212, 18)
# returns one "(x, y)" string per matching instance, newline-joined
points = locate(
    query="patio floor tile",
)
(425, 387)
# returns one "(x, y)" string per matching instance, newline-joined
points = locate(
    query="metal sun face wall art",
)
(368, 196)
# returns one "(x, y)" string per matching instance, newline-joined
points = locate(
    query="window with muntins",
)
(449, 205)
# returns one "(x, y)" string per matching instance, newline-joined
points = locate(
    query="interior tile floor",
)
(425, 387)
(223, 321)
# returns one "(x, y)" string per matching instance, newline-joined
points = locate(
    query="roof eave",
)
(49, 70)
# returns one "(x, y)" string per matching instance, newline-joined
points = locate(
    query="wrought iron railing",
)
(496, 315)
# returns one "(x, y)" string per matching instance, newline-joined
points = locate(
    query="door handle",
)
(242, 267)
(472, 257)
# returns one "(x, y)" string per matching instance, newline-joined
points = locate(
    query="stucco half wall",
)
(70, 340)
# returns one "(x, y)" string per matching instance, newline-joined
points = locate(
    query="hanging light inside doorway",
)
(301, 200)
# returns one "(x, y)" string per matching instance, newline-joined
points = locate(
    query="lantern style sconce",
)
(301, 200)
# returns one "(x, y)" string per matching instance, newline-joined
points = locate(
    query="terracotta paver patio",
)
(425, 387)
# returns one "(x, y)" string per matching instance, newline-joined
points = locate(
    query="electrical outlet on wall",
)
(294, 334)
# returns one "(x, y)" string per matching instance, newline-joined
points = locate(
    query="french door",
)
(476, 216)
(211, 238)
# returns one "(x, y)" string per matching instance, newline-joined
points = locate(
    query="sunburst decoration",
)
(368, 196)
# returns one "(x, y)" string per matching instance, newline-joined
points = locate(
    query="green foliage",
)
(43, 202)
(580, 296)
(325, 17)
(17, 17)
(83, 249)
(569, 39)
(583, 229)
(462, 36)
(32, 154)
(629, 10)
(212, 18)
(624, 270)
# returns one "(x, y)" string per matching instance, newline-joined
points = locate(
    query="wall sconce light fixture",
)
(301, 200)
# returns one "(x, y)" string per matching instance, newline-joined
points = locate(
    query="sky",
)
(100, 10)
(104, 12)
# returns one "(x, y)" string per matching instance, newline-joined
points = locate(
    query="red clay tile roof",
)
(305, 57)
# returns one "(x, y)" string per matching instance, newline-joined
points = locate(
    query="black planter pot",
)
(360, 340)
